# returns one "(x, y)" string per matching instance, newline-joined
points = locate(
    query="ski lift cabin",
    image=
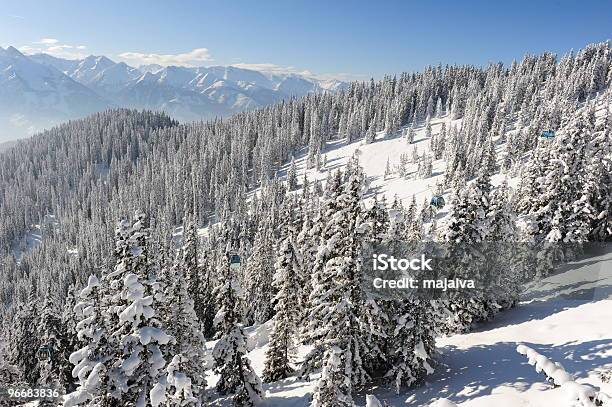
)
(437, 201)
(234, 260)
(45, 352)
(548, 134)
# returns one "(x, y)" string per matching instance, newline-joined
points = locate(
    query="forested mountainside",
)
(74, 182)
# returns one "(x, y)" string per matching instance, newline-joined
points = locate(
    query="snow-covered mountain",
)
(40, 90)
(193, 93)
(34, 95)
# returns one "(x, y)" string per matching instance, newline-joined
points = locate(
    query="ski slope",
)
(373, 158)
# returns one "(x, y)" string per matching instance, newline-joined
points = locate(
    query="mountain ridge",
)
(75, 88)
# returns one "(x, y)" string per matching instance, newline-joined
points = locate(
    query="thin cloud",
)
(274, 69)
(195, 57)
(288, 70)
(54, 47)
(47, 41)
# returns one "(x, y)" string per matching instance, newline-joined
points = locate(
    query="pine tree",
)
(334, 387)
(281, 351)
(136, 332)
(69, 322)
(205, 310)
(467, 228)
(412, 343)
(292, 181)
(592, 208)
(557, 191)
(387, 170)
(336, 300)
(51, 334)
(502, 248)
(23, 343)
(185, 380)
(378, 218)
(259, 272)
(231, 363)
(307, 243)
(91, 360)
(370, 134)
(411, 134)
(439, 112)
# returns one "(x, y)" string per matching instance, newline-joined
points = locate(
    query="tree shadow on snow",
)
(463, 374)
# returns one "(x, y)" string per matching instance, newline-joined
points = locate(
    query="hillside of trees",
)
(124, 305)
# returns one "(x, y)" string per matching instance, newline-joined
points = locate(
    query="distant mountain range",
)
(38, 91)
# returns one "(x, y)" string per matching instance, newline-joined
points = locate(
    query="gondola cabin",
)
(437, 201)
(45, 352)
(547, 134)
(234, 261)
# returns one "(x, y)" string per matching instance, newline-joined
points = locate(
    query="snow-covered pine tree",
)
(592, 208)
(230, 360)
(205, 310)
(52, 336)
(378, 218)
(90, 361)
(281, 350)
(336, 301)
(333, 389)
(439, 113)
(292, 181)
(71, 344)
(189, 264)
(387, 170)
(307, 242)
(467, 228)
(558, 190)
(412, 342)
(370, 134)
(23, 341)
(440, 145)
(185, 379)
(9, 374)
(502, 246)
(136, 333)
(258, 276)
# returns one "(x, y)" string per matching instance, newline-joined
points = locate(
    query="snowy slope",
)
(482, 368)
(565, 317)
(373, 158)
(388, 148)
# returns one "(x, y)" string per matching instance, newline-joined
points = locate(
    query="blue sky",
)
(339, 38)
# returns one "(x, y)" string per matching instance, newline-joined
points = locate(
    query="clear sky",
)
(339, 38)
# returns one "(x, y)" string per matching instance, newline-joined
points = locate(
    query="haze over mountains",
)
(39, 91)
